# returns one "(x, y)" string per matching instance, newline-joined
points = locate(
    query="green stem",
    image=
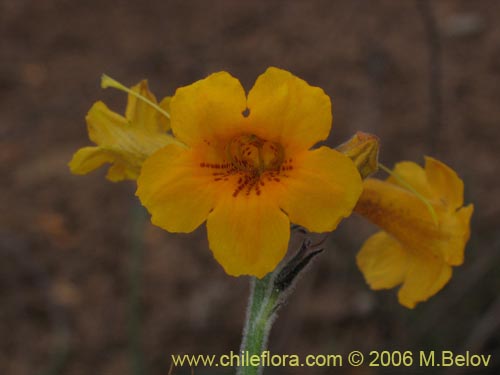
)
(261, 313)
(266, 297)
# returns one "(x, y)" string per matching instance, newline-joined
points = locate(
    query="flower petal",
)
(286, 109)
(121, 170)
(163, 122)
(414, 175)
(457, 227)
(400, 213)
(382, 261)
(248, 234)
(322, 188)
(426, 276)
(102, 123)
(142, 115)
(445, 183)
(175, 190)
(207, 109)
(87, 159)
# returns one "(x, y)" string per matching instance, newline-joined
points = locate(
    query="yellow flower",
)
(414, 250)
(125, 142)
(248, 169)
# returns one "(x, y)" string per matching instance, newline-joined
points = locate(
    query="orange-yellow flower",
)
(414, 250)
(125, 142)
(248, 169)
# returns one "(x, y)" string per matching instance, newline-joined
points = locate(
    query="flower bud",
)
(362, 148)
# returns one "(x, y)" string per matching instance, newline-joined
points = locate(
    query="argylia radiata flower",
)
(248, 169)
(123, 141)
(419, 243)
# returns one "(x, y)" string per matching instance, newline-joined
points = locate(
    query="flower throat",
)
(249, 153)
(255, 161)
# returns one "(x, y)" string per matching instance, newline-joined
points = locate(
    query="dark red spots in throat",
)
(246, 176)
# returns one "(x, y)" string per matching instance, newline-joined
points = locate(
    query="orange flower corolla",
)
(125, 142)
(414, 250)
(248, 169)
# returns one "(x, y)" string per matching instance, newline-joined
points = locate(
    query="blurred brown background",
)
(74, 251)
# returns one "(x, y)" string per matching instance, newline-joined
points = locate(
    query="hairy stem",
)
(261, 313)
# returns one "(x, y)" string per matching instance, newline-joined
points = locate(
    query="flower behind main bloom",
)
(414, 250)
(125, 142)
(249, 169)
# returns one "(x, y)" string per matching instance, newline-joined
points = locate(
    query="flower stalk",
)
(261, 313)
(267, 295)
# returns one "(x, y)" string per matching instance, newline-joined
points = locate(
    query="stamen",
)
(413, 191)
(249, 161)
(107, 81)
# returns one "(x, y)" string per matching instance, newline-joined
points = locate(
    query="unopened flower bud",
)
(362, 148)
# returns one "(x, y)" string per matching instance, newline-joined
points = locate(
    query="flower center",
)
(249, 153)
(254, 162)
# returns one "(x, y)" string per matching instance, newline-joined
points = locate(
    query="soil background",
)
(74, 251)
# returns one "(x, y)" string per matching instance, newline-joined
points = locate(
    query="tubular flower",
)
(125, 142)
(418, 246)
(248, 169)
